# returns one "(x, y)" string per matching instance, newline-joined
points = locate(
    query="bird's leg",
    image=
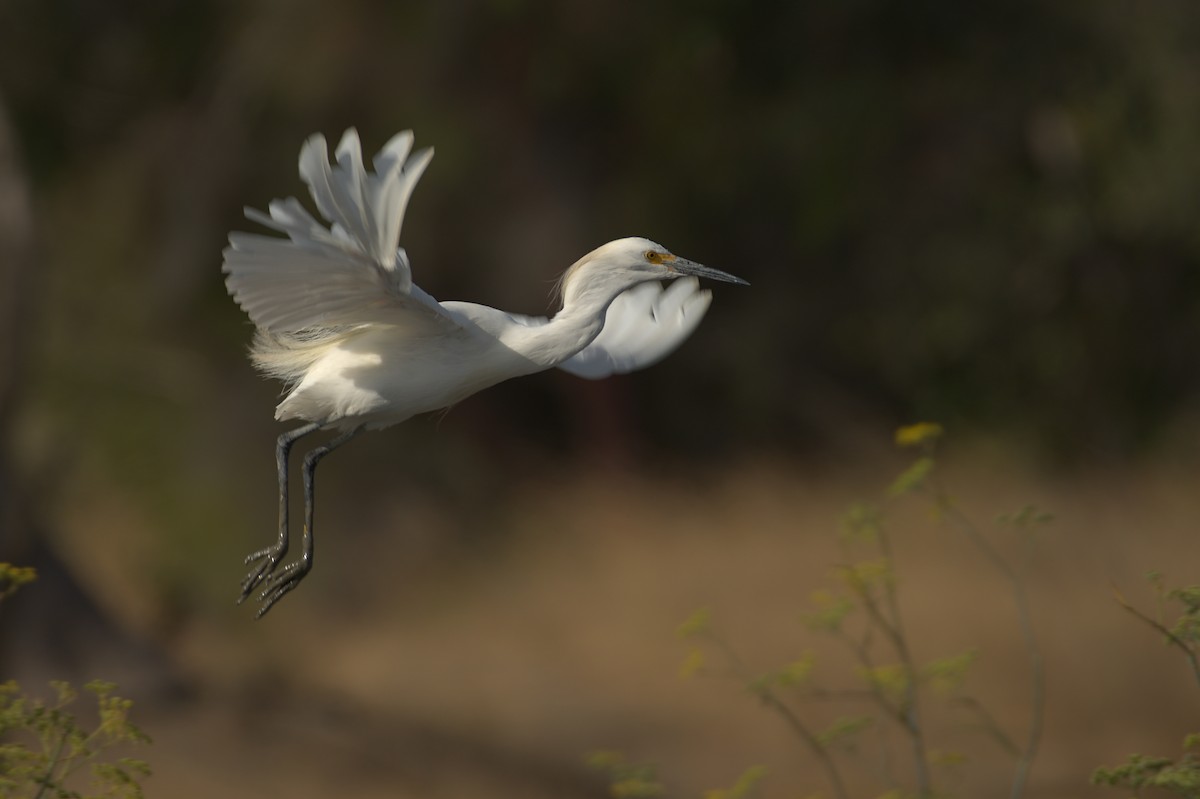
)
(268, 558)
(293, 573)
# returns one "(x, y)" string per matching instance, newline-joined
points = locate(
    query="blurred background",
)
(981, 214)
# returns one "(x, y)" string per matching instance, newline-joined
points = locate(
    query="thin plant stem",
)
(889, 621)
(48, 779)
(894, 629)
(837, 694)
(864, 658)
(1174, 640)
(1037, 666)
(989, 724)
(771, 700)
(903, 714)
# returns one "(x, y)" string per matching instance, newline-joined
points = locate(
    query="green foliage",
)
(861, 522)
(893, 682)
(1181, 632)
(1186, 626)
(1189, 597)
(13, 577)
(868, 579)
(626, 780)
(693, 664)
(43, 745)
(922, 435)
(797, 672)
(1028, 516)
(830, 610)
(862, 615)
(944, 757)
(696, 624)
(640, 780)
(746, 787)
(947, 674)
(911, 478)
(844, 730)
(1182, 776)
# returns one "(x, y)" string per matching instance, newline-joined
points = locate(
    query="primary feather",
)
(347, 274)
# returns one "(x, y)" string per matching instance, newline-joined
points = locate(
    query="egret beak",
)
(685, 267)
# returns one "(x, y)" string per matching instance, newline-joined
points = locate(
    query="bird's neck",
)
(569, 330)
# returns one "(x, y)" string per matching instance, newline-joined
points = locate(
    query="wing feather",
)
(349, 273)
(642, 326)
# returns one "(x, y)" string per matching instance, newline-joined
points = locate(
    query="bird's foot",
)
(267, 560)
(280, 584)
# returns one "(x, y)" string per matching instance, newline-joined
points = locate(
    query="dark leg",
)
(269, 557)
(293, 573)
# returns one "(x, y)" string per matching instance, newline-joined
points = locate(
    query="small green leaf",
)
(865, 575)
(760, 686)
(946, 757)
(947, 674)
(797, 672)
(635, 788)
(911, 478)
(844, 730)
(1028, 516)
(1189, 596)
(891, 680)
(746, 785)
(697, 624)
(830, 610)
(602, 759)
(626, 780)
(692, 664)
(861, 521)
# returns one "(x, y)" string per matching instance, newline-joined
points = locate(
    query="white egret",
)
(359, 346)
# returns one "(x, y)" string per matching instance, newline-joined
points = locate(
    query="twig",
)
(895, 630)
(1037, 665)
(1171, 637)
(48, 781)
(903, 714)
(864, 658)
(989, 724)
(837, 694)
(789, 716)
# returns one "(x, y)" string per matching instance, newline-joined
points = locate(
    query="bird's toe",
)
(267, 559)
(280, 584)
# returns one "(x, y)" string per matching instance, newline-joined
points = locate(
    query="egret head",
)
(624, 263)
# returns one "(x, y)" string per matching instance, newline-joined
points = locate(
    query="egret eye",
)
(654, 257)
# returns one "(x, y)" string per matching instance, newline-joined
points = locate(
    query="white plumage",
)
(359, 346)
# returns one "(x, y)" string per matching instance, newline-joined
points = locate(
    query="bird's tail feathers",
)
(288, 357)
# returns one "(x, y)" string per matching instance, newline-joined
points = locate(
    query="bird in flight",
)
(359, 346)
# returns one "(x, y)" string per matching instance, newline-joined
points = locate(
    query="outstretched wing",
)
(643, 325)
(347, 274)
